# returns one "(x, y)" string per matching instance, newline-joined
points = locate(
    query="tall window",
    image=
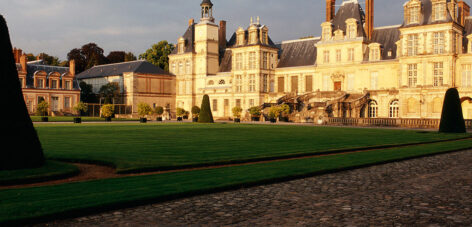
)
(375, 54)
(438, 42)
(394, 109)
(413, 14)
(265, 81)
(438, 74)
(412, 45)
(173, 68)
(326, 56)
(252, 60)
(54, 84)
(66, 102)
(373, 109)
(338, 55)
(281, 84)
(439, 11)
(352, 31)
(265, 60)
(39, 83)
(215, 105)
(374, 80)
(308, 83)
(239, 62)
(239, 83)
(252, 83)
(187, 67)
(412, 75)
(238, 103)
(67, 85)
(467, 75)
(181, 68)
(350, 54)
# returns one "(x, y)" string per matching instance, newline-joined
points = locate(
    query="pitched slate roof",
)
(426, 17)
(189, 37)
(34, 66)
(140, 66)
(298, 53)
(232, 40)
(349, 10)
(387, 37)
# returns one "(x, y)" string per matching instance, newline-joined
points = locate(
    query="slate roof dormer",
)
(189, 37)
(426, 15)
(349, 9)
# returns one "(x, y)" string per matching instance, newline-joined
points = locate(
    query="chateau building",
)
(354, 70)
(53, 84)
(139, 82)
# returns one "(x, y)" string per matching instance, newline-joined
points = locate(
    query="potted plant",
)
(274, 113)
(284, 112)
(186, 114)
(42, 110)
(159, 110)
(143, 110)
(237, 114)
(107, 111)
(79, 108)
(180, 113)
(255, 113)
(195, 113)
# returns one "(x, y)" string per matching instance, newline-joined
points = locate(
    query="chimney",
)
(222, 35)
(369, 18)
(191, 22)
(23, 63)
(464, 12)
(72, 67)
(330, 9)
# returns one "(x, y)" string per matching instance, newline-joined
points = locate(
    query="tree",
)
(237, 111)
(86, 93)
(42, 108)
(109, 92)
(158, 54)
(195, 111)
(144, 109)
(21, 147)
(452, 120)
(86, 57)
(80, 108)
(108, 110)
(205, 115)
(130, 57)
(120, 56)
(49, 60)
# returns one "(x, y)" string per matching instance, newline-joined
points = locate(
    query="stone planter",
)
(77, 120)
(273, 120)
(195, 119)
(107, 119)
(159, 119)
(255, 118)
(44, 119)
(237, 120)
(179, 118)
(143, 120)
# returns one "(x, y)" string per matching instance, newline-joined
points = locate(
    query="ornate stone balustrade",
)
(390, 122)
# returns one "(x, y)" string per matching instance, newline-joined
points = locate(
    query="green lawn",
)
(134, 147)
(29, 204)
(50, 170)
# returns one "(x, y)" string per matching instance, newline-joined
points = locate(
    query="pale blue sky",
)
(57, 26)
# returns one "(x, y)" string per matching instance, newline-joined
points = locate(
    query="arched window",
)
(394, 109)
(222, 82)
(211, 82)
(373, 109)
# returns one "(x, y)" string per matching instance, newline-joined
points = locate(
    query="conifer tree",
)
(452, 120)
(21, 147)
(205, 115)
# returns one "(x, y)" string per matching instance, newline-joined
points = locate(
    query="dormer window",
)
(439, 11)
(264, 36)
(351, 28)
(181, 45)
(253, 35)
(240, 37)
(412, 13)
(338, 34)
(327, 30)
(374, 54)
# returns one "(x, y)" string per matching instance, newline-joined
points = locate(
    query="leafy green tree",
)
(144, 109)
(80, 108)
(195, 111)
(255, 111)
(86, 93)
(49, 60)
(130, 57)
(452, 120)
(110, 92)
(42, 108)
(158, 54)
(159, 110)
(86, 57)
(205, 115)
(180, 112)
(21, 147)
(108, 110)
(237, 111)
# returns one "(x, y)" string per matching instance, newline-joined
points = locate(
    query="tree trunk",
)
(21, 147)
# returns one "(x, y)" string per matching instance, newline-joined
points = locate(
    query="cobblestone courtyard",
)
(431, 191)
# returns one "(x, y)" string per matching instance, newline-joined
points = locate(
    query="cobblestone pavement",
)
(431, 191)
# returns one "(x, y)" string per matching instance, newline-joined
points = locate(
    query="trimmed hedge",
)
(205, 115)
(452, 120)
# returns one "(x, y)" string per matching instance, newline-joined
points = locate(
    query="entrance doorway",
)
(337, 86)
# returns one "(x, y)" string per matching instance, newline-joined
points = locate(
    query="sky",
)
(57, 26)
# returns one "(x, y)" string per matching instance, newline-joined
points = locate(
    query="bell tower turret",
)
(207, 11)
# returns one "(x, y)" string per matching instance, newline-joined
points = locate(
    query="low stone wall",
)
(390, 122)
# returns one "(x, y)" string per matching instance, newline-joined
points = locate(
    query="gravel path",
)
(432, 191)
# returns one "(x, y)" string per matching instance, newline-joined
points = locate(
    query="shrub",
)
(255, 111)
(274, 112)
(144, 109)
(237, 111)
(159, 110)
(205, 115)
(80, 107)
(180, 112)
(108, 110)
(452, 120)
(195, 111)
(284, 110)
(42, 108)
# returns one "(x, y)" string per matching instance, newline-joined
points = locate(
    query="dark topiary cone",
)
(452, 120)
(20, 144)
(205, 115)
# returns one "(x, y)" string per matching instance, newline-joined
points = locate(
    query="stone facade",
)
(402, 71)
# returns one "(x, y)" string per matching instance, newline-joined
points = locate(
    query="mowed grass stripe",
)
(81, 198)
(131, 147)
